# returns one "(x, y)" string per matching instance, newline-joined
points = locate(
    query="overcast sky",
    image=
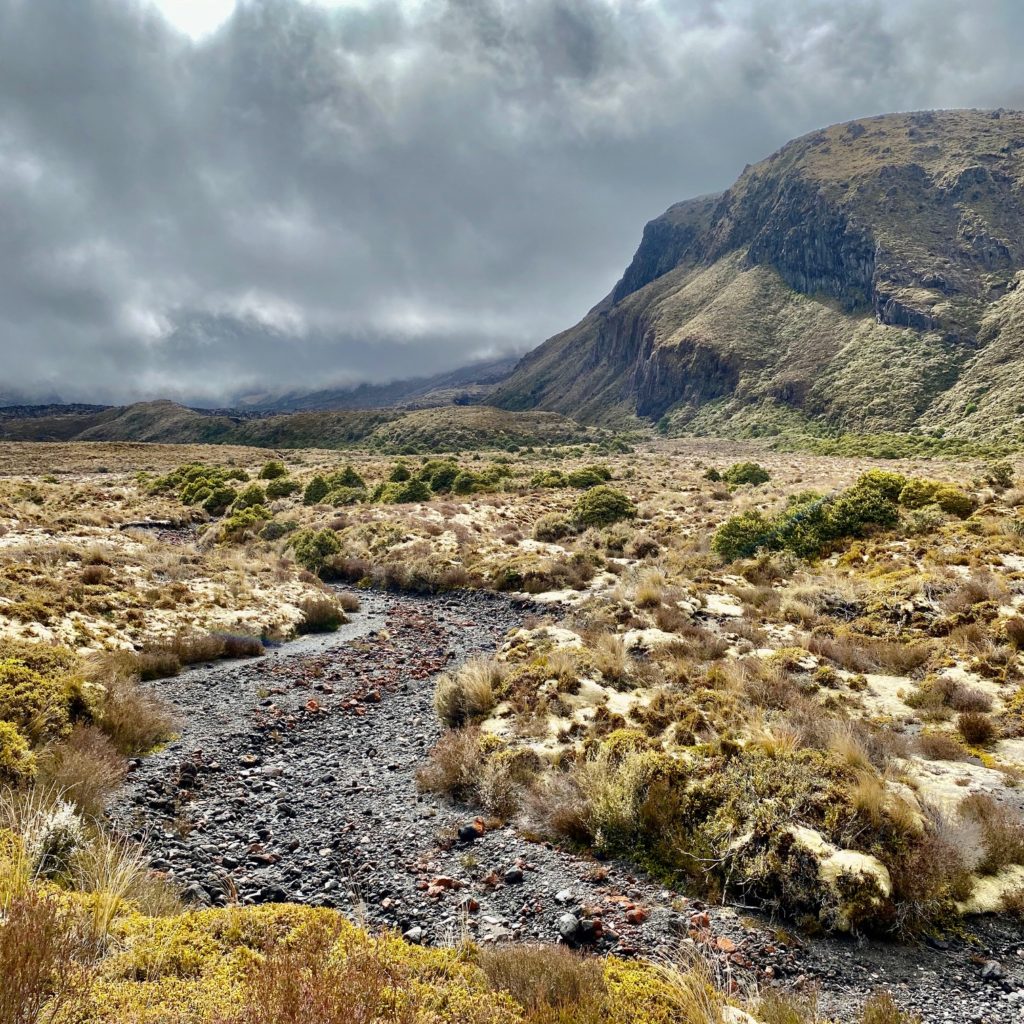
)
(198, 197)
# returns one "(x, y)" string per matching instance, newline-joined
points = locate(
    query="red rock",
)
(725, 944)
(637, 915)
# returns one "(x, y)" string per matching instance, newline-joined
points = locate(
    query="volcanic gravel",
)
(294, 780)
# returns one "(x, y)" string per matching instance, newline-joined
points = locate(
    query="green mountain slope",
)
(865, 277)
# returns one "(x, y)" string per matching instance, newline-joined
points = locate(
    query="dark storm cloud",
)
(382, 189)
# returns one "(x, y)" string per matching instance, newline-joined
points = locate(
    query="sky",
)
(206, 198)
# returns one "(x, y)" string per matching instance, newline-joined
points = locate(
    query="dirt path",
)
(294, 779)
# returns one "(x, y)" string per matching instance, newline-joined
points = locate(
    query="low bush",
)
(546, 981)
(273, 470)
(602, 506)
(313, 548)
(134, 717)
(469, 693)
(17, 763)
(320, 615)
(976, 728)
(454, 766)
(315, 491)
(745, 473)
(282, 487)
(552, 527)
(86, 768)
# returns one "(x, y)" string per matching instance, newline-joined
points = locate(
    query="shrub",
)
(552, 527)
(955, 502)
(549, 478)
(1002, 832)
(542, 979)
(252, 495)
(86, 769)
(999, 475)
(466, 483)
(243, 521)
(313, 548)
(273, 470)
(17, 764)
(341, 496)
(917, 493)
(454, 766)
(744, 535)
(320, 615)
(43, 958)
(604, 505)
(440, 474)
(746, 473)
(976, 727)
(588, 476)
(219, 500)
(133, 717)
(39, 704)
(936, 745)
(467, 694)
(403, 492)
(315, 491)
(347, 476)
(282, 487)
(275, 530)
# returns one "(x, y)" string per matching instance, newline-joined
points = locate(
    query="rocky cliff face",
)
(895, 235)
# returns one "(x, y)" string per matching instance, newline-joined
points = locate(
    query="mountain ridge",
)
(892, 242)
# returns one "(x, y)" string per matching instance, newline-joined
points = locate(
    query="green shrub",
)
(746, 473)
(273, 471)
(999, 475)
(744, 535)
(282, 487)
(549, 478)
(320, 615)
(400, 472)
(403, 492)
(17, 762)
(888, 485)
(219, 500)
(588, 476)
(713, 475)
(466, 482)
(954, 501)
(312, 548)
(252, 495)
(316, 490)
(604, 505)
(242, 520)
(347, 476)
(440, 474)
(345, 496)
(917, 493)
(40, 705)
(275, 530)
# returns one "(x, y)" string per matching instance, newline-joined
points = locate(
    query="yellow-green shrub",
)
(17, 763)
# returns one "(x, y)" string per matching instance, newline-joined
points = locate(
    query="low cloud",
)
(362, 192)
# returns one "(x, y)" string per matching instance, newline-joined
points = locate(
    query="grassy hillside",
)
(451, 428)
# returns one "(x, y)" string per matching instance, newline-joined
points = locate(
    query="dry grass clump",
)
(1002, 832)
(320, 615)
(469, 693)
(132, 716)
(301, 981)
(650, 591)
(45, 960)
(551, 983)
(454, 765)
(937, 745)
(609, 657)
(86, 768)
(881, 1008)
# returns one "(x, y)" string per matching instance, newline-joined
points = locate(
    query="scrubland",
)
(784, 681)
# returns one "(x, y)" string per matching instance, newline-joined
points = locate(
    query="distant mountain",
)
(866, 277)
(454, 428)
(456, 387)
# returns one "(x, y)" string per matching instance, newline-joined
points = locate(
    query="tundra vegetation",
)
(793, 680)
